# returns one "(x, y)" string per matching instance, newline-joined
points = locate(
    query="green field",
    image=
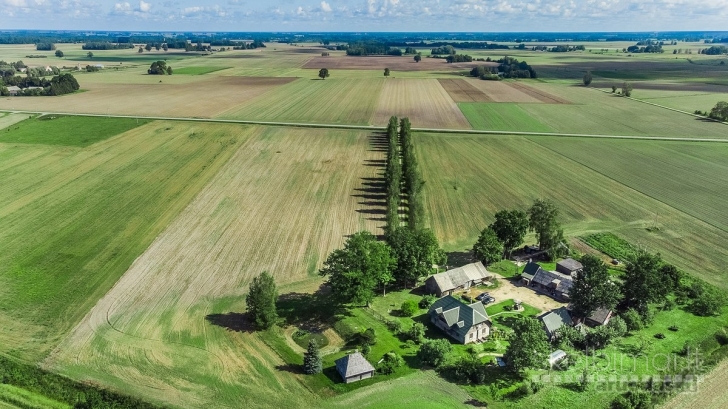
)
(469, 178)
(72, 221)
(67, 130)
(198, 70)
(501, 117)
(28, 400)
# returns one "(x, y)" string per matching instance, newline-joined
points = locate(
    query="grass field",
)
(27, 400)
(468, 179)
(149, 335)
(7, 120)
(683, 100)
(67, 130)
(198, 70)
(501, 117)
(73, 220)
(339, 101)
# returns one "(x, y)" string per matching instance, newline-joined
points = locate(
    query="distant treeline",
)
(106, 45)
(58, 85)
(509, 68)
(77, 395)
(715, 50)
(45, 47)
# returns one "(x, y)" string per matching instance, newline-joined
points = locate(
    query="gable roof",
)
(555, 319)
(452, 279)
(353, 365)
(530, 270)
(459, 317)
(560, 282)
(570, 264)
(600, 315)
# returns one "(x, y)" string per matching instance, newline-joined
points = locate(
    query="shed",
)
(568, 266)
(556, 357)
(458, 278)
(528, 272)
(554, 320)
(354, 367)
(599, 317)
(13, 90)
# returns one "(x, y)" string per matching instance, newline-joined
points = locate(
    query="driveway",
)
(509, 290)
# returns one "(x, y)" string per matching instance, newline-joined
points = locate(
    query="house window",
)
(471, 336)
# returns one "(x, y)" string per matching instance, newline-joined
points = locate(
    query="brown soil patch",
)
(500, 91)
(462, 91)
(404, 63)
(542, 96)
(205, 98)
(694, 87)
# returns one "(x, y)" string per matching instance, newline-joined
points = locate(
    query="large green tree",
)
(592, 288)
(312, 363)
(435, 352)
(415, 252)
(528, 346)
(355, 272)
(587, 78)
(488, 248)
(720, 111)
(543, 219)
(643, 281)
(261, 301)
(511, 227)
(323, 73)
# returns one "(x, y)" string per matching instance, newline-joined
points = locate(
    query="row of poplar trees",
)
(402, 175)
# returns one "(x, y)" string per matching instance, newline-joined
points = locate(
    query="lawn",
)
(197, 70)
(501, 117)
(470, 178)
(67, 130)
(72, 221)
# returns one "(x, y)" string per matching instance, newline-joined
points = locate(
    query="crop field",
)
(710, 394)
(461, 90)
(688, 101)
(424, 101)
(207, 98)
(501, 117)
(502, 91)
(72, 220)
(67, 130)
(198, 70)
(379, 63)
(293, 204)
(468, 179)
(338, 101)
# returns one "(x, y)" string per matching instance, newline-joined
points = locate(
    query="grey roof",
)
(458, 316)
(530, 270)
(555, 319)
(13, 88)
(353, 365)
(561, 282)
(452, 279)
(556, 356)
(570, 264)
(600, 315)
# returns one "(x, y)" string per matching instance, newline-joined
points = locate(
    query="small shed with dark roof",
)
(529, 272)
(599, 317)
(458, 278)
(354, 367)
(554, 320)
(568, 266)
(461, 322)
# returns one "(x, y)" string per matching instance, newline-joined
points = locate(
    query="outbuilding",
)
(568, 266)
(354, 367)
(460, 278)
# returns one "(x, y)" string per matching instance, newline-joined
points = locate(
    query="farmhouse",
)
(461, 322)
(354, 367)
(555, 319)
(568, 266)
(553, 283)
(458, 278)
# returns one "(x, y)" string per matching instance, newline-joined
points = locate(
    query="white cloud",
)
(144, 7)
(326, 7)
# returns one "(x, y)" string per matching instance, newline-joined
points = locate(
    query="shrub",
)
(427, 301)
(618, 326)
(434, 352)
(368, 337)
(633, 320)
(394, 326)
(673, 328)
(390, 362)
(660, 335)
(408, 308)
(416, 332)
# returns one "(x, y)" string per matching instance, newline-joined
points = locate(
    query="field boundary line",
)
(668, 108)
(380, 128)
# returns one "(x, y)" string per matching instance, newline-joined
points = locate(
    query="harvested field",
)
(7, 120)
(462, 91)
(168, 329)
(468, 179)
(73, 220)
(206, 98)
(403, 63)
(502, 91)
(665, 86)
(424, 101)
(540, 95)
(334, 100)
(711, 393)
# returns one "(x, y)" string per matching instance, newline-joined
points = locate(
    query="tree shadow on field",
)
(378, 142)
(373, 190)
(232, 321)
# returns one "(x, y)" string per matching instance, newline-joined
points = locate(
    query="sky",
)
(366, 15)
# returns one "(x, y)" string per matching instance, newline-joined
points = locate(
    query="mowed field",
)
(73, 220)
(424, 101)
(284, 201)
(468, 179)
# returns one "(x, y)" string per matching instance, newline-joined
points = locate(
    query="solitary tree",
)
(511, 227)
(488, 248)
(312, 359)
(323, 73)
(587, 78)
(592, 288)
(59, 53)
(165, 47)
(627, 89)
(141, 50)
(148, 47)
(543, 220)
(261, 301)
(720, 111)
(418, 57)
(386, 72)
(528, 346)
(90, 54)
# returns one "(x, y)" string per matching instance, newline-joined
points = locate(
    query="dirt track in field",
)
(203, 99)
(278, 205)
(462, 91)
(404, 63)
(424, 101)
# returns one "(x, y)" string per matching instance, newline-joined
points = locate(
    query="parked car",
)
(487, 300)
(481, 296)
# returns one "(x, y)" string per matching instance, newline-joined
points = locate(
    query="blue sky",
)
(366, 15)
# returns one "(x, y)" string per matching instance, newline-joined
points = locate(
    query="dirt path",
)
(508, 290)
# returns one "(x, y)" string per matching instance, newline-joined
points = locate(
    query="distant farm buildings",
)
(460, 278)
